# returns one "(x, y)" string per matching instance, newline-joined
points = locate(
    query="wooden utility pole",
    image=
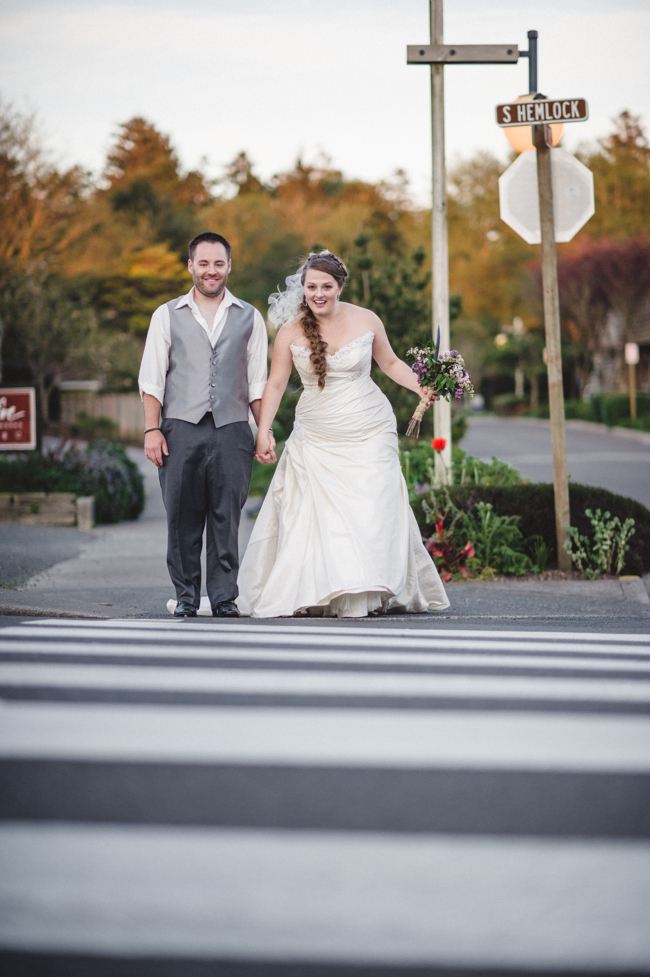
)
(437, 55)
(553, 343)
(439, 235)
(632, 372)
(632, 358)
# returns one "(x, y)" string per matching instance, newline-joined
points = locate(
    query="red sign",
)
(541, 111)
(17, 418)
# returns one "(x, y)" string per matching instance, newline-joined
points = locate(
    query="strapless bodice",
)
(350, 406)
(350, 362)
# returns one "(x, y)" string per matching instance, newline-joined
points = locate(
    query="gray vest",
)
(201, 379)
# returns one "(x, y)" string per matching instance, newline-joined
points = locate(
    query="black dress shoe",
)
(184, 609)
(225, 608)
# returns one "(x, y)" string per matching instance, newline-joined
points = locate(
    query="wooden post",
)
(553, 343)
(632, 375)
(439, 245)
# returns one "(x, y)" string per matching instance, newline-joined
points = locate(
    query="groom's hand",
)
(155, 447)
(264, 448)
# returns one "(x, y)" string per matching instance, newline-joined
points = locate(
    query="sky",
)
(278, 78)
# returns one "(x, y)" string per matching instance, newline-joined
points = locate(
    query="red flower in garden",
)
(439, 444)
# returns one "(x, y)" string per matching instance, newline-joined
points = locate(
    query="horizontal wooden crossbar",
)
(462, 54)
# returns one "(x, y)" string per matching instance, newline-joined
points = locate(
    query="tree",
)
(47, 327)
(41, 208)
(596, 277)
(621, 168)
(145, 185)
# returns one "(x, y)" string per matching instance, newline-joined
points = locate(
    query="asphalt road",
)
(120, 571)
(203, 799)
(594, 457)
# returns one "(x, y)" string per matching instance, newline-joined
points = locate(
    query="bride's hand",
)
(428, 395)
(265, 448)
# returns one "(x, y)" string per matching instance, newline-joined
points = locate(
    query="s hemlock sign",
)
(542, 112)
(17, 419)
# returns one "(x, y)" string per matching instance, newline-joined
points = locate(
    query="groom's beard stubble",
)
(200, 285)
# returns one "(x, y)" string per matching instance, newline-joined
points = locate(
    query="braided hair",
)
(333, 266)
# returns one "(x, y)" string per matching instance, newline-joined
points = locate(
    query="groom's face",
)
(209, 268)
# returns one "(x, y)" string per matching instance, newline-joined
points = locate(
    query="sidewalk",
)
(120, 571)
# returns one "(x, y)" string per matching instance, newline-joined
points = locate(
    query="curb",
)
(643, 437)
(39, 612)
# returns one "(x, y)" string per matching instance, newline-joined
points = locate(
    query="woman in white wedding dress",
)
(335, 535)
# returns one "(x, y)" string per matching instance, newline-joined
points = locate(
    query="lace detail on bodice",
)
(341, 361)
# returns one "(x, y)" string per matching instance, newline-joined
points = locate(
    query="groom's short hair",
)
(212, 238)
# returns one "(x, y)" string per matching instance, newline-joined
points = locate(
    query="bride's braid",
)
(333, 266)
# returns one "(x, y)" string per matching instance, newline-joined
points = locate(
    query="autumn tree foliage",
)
(621, 168)
(118, 245)
(41, 207)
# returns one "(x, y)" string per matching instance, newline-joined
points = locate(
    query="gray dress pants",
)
(205, 481)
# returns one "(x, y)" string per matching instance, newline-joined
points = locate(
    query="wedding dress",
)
(336, 534)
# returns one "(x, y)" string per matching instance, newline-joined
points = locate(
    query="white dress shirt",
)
(155, 359)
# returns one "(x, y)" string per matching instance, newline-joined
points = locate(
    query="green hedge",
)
(612, 409)
(534, 504)
(103, 469)
(608, 408)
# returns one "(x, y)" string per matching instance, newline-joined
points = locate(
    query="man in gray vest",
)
(204, 365)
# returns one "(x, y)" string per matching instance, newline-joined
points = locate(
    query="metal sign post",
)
(437, 55)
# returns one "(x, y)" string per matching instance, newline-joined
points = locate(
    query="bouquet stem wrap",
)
(443, 373)
(413, 430)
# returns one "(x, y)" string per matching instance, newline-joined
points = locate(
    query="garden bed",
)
(491, 523)
(102, 470)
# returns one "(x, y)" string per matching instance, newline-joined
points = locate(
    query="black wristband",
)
(151, 429)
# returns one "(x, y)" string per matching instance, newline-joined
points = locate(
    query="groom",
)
(204, 365)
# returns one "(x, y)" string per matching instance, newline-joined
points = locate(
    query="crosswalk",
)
(184, 799)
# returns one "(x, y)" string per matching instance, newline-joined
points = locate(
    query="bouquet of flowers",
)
(444, 373)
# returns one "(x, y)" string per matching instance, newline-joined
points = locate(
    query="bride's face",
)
(321, 292)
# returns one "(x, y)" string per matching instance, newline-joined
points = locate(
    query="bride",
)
(336, 535)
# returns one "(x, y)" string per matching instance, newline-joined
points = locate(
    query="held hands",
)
(428, 396)
(155, 447)
(265, 448)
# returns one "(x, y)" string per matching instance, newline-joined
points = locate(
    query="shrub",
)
(36, 473)
(88, 427)
(535, 505)
(538, 552)
(612, 408)
(418, 466)
(497, 540)
(103, 469)
(604, 553)
(508, 404)
(574, 410)
(446, 546)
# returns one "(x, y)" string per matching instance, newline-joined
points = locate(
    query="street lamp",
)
(521, 137)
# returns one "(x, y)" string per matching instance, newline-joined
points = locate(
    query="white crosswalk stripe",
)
(307, 799)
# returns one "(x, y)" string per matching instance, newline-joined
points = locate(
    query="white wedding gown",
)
(336, 534)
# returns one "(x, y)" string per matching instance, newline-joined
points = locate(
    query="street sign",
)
(462, 54)
(17, 419)
(573, 195)
(541, 111)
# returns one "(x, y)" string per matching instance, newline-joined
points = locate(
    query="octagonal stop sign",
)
(573, 195)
